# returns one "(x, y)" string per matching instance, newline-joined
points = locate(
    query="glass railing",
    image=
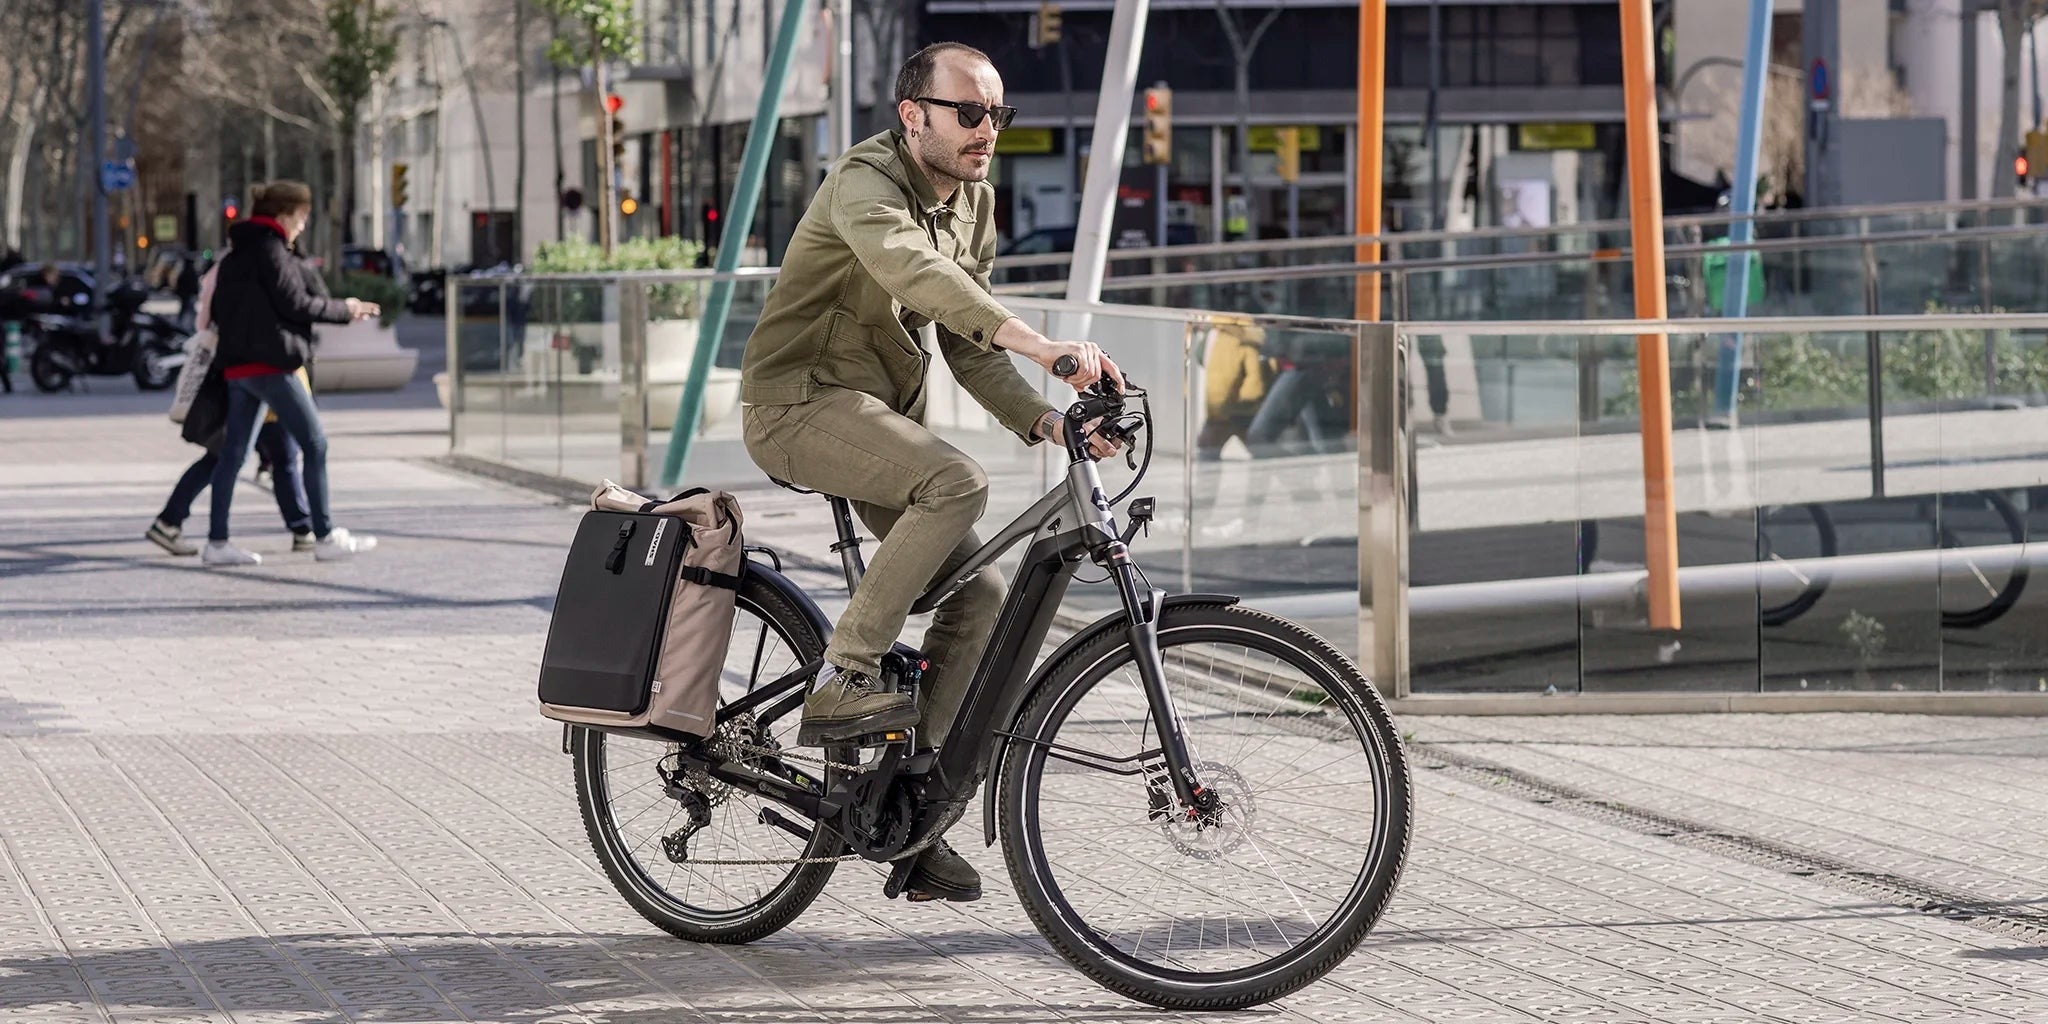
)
(1822, 546)
(1563, 239)
(1989, 268)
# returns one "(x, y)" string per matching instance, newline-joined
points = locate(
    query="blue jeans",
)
(283, 394)
(283, 454)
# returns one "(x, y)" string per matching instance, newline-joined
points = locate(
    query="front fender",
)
(999, 744)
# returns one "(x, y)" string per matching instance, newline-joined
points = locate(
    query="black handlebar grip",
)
(1066, 366)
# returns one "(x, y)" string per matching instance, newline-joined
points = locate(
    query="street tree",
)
(363, 48)
(598, 32)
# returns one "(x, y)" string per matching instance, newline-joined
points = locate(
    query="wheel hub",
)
(1218, 827)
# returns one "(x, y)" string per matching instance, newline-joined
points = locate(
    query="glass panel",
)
(1993, 465)
(1274, 513)
(1715, 519)
(717, 455)
(476, 388)
(1492, 555)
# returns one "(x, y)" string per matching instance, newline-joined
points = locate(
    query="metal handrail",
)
(1405, 238)
(1320, 270)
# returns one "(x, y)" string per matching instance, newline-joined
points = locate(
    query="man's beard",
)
(952, 162)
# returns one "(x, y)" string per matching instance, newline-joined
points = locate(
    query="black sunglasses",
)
(970, 114)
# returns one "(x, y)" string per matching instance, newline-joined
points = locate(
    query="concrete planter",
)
(362, 356)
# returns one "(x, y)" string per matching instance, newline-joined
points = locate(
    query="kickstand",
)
(899, 876)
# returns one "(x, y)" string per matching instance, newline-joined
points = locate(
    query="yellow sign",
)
(1025, 141)
(1568, 135)
(1265, 138)
(166, 227)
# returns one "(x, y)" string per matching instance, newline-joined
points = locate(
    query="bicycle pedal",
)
(899, 876)
(880, 739)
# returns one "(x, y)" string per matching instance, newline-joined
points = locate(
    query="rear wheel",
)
(48, 370)
(1267, 891)
(701, 859)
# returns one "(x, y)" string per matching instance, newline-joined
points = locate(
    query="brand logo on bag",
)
(655, 687)
(660, 527)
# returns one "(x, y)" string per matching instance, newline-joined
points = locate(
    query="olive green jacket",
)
(875, 258)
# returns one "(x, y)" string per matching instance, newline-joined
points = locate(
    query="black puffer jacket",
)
(261, 306)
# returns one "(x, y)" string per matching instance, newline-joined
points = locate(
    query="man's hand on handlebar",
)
(1079, 363)
(1101, 447)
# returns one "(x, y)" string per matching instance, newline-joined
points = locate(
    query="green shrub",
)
(389, 295)
(581, 303)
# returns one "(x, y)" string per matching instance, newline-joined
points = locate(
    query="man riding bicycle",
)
(902, 234)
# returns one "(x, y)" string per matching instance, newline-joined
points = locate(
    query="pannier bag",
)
(644, 613)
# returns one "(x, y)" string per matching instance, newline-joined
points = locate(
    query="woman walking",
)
(264, 314)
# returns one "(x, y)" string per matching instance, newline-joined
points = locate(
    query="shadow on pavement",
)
(625, 979)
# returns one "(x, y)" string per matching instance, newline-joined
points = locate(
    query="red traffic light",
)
(229, 211)
(2020, 167)
(711, 214)
(612, 102)
(1151, 100)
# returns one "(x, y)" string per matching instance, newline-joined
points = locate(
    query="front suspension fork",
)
(1142, 605)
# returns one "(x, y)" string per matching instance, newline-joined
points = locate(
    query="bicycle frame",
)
(1070, 523)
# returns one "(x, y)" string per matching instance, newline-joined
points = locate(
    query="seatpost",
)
(848, 546)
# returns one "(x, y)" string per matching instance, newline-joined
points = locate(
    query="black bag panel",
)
(610, 611)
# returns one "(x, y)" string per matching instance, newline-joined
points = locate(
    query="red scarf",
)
(272, 224)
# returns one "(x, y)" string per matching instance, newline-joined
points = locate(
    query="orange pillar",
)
(1371, 144)
(1653, 356)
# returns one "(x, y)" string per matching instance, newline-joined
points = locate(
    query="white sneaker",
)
(341, 544)
(220, 552)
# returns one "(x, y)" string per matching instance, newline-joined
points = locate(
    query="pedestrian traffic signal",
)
(228, 210)
(711, 229)
(398, 194)
(1159, 125)
(1045, 28)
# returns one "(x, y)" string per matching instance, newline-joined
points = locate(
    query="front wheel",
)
(1271, 888)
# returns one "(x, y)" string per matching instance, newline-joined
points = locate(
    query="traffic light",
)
(613, 103)
(629, 206)
(711, 228)
(228, 209)
(1289, 152)
(572, 199)
(1159, 125)
(1045, 29)
(398, 196)
(2020, 168)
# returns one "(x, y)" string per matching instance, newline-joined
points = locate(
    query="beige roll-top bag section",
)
(644, 613)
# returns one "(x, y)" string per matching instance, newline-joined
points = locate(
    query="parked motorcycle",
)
(146, 346)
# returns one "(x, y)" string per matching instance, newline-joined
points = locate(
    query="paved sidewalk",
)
(319, 792)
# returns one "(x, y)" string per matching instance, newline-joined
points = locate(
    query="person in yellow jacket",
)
(1233, 386)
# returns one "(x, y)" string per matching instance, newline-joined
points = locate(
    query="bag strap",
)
(617, 561)
(706, 577)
